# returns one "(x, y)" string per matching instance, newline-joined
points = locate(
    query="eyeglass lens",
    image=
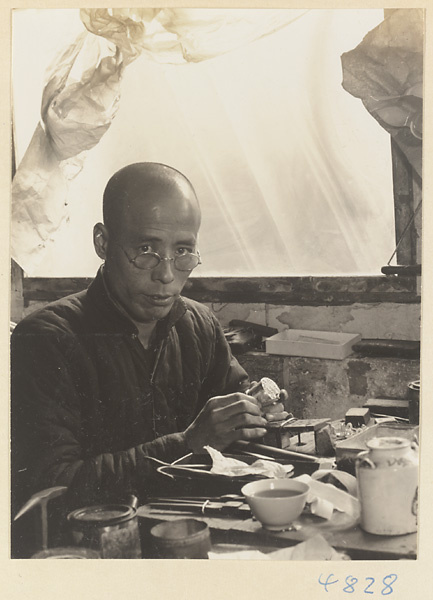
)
(181, 263)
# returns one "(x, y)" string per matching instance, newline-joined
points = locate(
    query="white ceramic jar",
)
(387, 475)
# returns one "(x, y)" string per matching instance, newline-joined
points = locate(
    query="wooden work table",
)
(230, 535)
(342, 532)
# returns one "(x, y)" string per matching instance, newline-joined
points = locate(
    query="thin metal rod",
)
(405, 230)
(44, 516)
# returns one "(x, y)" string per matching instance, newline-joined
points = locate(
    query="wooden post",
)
(403, 180)
(17, 298)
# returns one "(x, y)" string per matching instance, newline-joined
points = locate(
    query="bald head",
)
(147, 185)
(149, 209)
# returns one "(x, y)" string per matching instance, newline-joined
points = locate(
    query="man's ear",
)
(100, 240)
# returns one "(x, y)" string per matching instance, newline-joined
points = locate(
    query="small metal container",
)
(110, 529)
(181, 538)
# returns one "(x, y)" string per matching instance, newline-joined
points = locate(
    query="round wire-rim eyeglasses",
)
(147, 261)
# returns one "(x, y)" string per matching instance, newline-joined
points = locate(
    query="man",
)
(104, 380)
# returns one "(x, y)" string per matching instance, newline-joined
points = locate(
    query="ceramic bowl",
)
(276, 503)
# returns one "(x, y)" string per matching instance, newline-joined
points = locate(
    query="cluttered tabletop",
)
(313, 489)
(240, 503)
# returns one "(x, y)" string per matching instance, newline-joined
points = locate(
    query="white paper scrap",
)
(322, 508)
(348, 480)
(315, 548)
(232, 467)
(341, 501)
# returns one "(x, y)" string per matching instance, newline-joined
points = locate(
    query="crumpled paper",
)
(386, 72)
(324, 498)
(315, 548)
(181, 35)
(346, 480)
(82, 94)
(232, 467)
(127, 28)
(79, 102)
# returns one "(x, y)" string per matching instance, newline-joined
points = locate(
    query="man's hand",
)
(273, 410)
(225, 419)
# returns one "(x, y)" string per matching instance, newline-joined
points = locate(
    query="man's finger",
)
(241, 421)
(281, 416)
(268, 401)
(218, 402)
(252, 384)
(244, 406)
(273, 409)
(250, 433)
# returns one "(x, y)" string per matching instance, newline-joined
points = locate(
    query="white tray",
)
(315, 344)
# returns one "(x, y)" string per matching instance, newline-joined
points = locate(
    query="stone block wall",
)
(328, 388)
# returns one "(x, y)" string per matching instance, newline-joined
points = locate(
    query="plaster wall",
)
(384, 320)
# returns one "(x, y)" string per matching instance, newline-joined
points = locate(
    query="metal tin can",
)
(110, 529)
(387, 476)
(181, 538)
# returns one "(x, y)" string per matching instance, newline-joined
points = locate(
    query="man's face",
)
(166, 223)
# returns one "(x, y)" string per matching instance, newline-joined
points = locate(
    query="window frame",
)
(400, 284)
(290, 291)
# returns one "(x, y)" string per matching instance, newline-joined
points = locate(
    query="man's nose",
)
(164, 271)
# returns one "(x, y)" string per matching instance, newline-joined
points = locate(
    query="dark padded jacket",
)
(89, 403)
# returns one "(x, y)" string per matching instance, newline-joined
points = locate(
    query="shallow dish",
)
(196, 472)
(184, 469)
(276, 503)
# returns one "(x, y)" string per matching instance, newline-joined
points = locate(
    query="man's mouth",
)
(160, 299)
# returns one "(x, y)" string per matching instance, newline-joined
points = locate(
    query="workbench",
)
(341, 533)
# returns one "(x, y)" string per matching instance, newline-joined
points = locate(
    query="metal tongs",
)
(230, 505)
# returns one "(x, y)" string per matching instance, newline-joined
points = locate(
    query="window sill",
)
(304, 291)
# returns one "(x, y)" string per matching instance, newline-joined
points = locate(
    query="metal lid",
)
(67, 552)
(101, 516)
(387, 443)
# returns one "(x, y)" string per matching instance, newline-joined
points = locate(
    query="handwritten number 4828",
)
(350, 581)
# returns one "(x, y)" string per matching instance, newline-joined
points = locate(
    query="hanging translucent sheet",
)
(292, 173)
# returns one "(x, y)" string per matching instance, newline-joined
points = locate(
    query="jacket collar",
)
(113, 317)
